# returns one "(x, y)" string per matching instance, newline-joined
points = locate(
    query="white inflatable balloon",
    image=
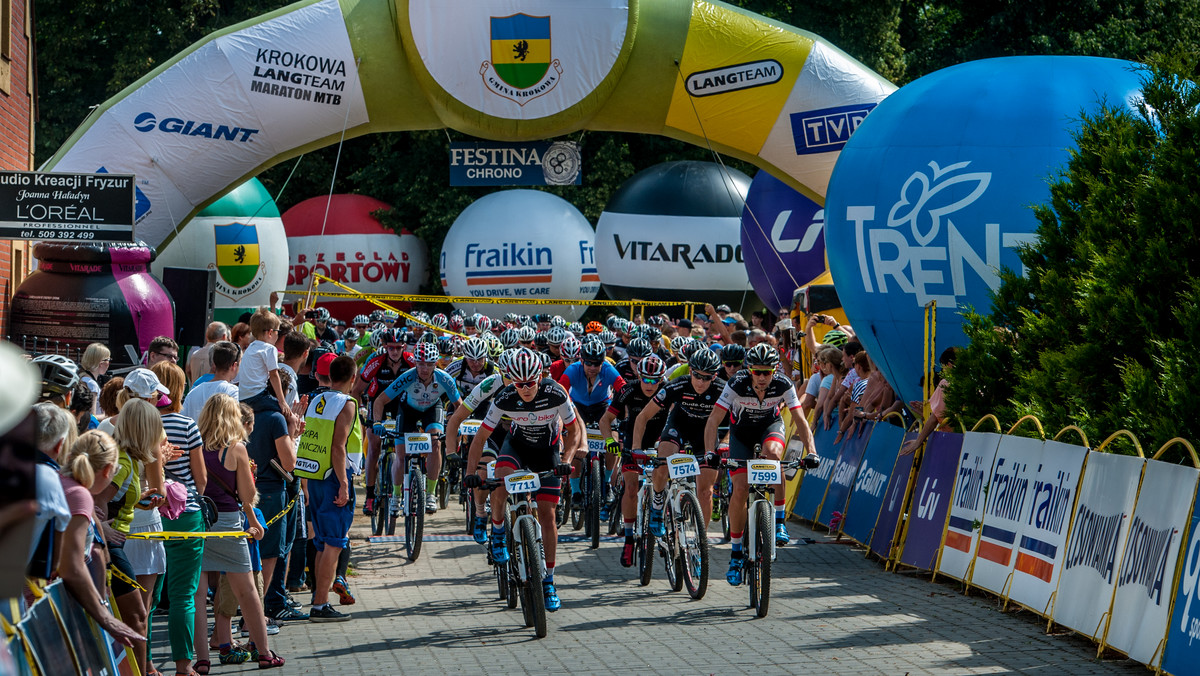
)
(240, 236)
(521, 244)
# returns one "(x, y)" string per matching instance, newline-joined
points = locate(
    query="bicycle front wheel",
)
(693, 545)
(760, 567)
(644, 547)
(533, 576)
(671, 555)
(381, 510)
(594, 498)
(414, 517)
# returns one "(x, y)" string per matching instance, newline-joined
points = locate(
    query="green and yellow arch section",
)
(307, 75)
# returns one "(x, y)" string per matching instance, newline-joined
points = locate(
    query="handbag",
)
(208, 508)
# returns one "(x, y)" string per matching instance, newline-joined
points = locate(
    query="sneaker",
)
(327, 614)
(293, 603)
(234, 654)
(577, 500)
(369, 507)
(627, 553)
(781, 535)
(499, 549)
(431, 503)
(345, 598)
(288, 615)
(553, 603)
(272, 629)
(734, 576)
(480, 530)
(657, 528)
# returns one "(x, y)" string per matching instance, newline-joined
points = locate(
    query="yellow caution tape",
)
(184, 535)
(125, 578)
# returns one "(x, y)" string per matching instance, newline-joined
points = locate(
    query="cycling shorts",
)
(684, 436)
(591, 413)
(743, 439)
(416, 420)
(517, 456)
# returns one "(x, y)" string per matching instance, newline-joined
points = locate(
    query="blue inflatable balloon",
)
(783, 241)
(933, 193)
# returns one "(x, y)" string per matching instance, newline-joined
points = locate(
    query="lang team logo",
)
(237, 253)
(521, 68)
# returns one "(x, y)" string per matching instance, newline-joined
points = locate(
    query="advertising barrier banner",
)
(866, 498)
(845, 469)
(812, 488)
(1009, 495)
(1183, 637)
(1098, 529)
(887, 524)
(1042, 536)
(1143, 597)
(931, 500)
(966, 509)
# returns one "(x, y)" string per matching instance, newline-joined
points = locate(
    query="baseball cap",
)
(729, 320)
(143, 383)
(684, 323)
(723, 308)
(323, 363)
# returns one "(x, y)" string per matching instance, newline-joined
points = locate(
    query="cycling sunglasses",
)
(651, 381)
(702, 376)
(762, 372)
(592, 363)
(524, 384)
(733, 363)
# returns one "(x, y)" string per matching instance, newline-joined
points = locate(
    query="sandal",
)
(270, 660)
(233, 654)
(202, 667)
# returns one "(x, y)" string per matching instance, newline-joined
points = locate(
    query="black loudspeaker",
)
(194, 292)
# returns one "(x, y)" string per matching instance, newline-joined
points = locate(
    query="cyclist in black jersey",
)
(630, 401)
(540, 413)
(754, 398)
(376, 375)
(690, 399)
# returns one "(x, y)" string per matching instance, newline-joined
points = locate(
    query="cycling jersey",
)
(557, 367)
(690, 407)
(413, 393)
(534, 423)
(599, 392)
(743, 403)
(464, 378)
(625, 368)
(378, 373)
(679, 370)
(626, 406)
(478, 402)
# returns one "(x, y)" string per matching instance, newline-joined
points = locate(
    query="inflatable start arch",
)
(301, 77)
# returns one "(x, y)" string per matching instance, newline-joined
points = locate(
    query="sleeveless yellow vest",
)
(313, 455)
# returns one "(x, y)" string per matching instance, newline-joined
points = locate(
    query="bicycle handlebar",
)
(496, 483)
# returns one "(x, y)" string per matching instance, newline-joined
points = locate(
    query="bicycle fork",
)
(520, 545)
(751, 538)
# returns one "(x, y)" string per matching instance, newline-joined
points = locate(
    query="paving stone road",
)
(832, 612)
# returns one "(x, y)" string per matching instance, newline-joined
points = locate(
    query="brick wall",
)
(16, 136)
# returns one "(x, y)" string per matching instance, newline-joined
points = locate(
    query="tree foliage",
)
(1104, 329)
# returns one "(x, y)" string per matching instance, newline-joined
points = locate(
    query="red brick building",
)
(16, 131)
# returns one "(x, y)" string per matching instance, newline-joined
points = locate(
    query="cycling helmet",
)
(502, 361)
(546, 361)
(704, 360)
(762, 356)
(685, 352)
(639, 348)
(439, 320)
(541, 341)
(495, 347)
(456, 346)
(733, 352)
(483, 322)
(59, 374)
(394, 336)
(445, 346)
(594, 327)
(570, 350)
(612, 322)
(320, 314)
(456, 323)
(509, 338)
(651, 367)
(575, 328)
(376, 338)
(524, 365)
(835, 338)
(427, 337)
(426, 352)
(361, 319)
(526, 334)
(655, 321)
(350, 335)
(475, 348)
(608, 338)
(556, 335)
(376, 316)
(653, 335)
(678, 342)
(558, 322)
(592, 350)
(389, 316)
(511, 318)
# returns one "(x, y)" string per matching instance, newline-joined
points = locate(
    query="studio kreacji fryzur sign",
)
(66, 207)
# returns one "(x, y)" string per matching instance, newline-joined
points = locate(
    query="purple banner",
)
(815, 481)
(833, 509)
(893, 504)
(866, 500)
(931, 500)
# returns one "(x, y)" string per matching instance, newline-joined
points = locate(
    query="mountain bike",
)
(411, 503)
(762, 476)
(684, 544)
(467, 430)
(526, 565)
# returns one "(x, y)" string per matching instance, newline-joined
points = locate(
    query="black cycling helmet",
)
(593, 350)
(733, 353)
(704, 360)
(762, 356)
(639, 348)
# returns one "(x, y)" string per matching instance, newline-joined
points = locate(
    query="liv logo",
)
(929, 258)
(929, 500)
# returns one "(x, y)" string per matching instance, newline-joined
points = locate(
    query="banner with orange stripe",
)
(966, 507)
